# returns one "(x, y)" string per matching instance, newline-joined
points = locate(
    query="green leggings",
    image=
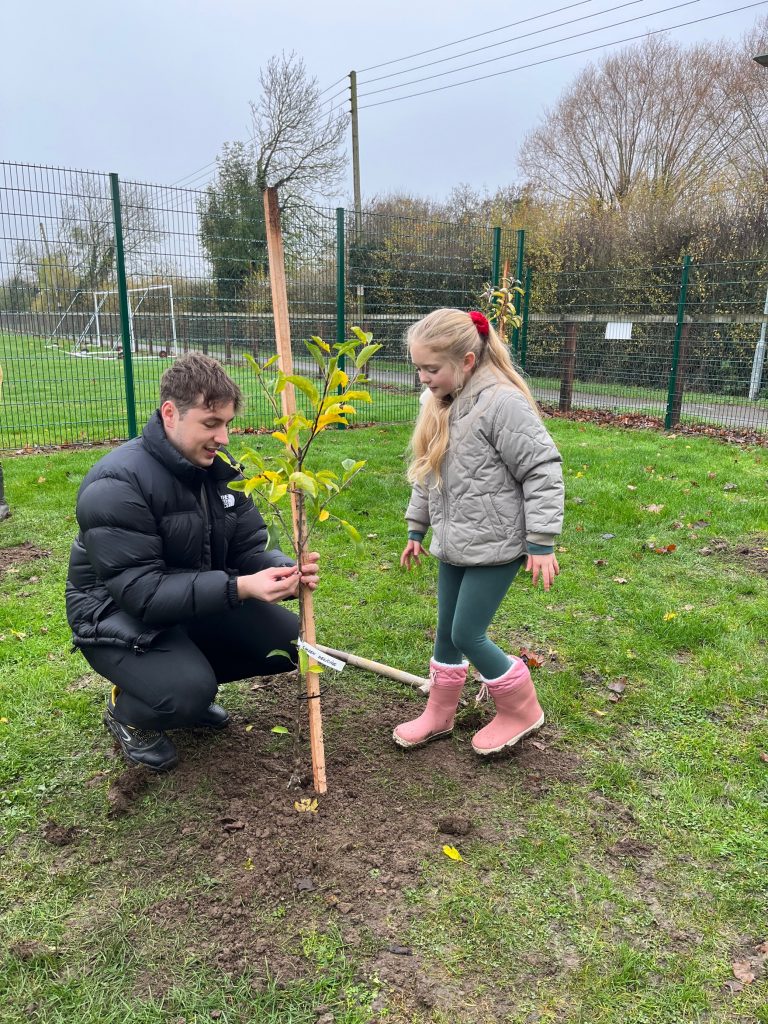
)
(467, 599)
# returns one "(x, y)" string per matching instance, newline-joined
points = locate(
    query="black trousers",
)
(170, 685)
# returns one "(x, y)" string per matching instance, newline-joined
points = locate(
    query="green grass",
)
(545, 915)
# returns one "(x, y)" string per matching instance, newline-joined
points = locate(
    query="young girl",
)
(487, 479)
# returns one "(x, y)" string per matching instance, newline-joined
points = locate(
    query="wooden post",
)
(569, 366)
(288, 396)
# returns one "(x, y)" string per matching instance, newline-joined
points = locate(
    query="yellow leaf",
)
(579, 474)
(325, 514)
(452, 852)
(669, 616)
(248, 728)
(280, 436)
(306, 805)
(601, 714)
(4, 721)
(631, 654)
(249, 865)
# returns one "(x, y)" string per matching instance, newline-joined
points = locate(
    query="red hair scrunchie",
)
(480, 322)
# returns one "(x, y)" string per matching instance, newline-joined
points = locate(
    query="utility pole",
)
(355, 154)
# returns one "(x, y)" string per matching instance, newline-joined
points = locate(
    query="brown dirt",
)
(752, 556)
(279, 871)
(10, 558)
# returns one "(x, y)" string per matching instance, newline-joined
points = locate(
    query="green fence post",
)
(125, 322)
(524, 327)
(674, 394)
(518, 277)
(496, 258)
(341, 289)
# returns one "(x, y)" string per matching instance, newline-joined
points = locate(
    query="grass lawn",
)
(615, 867)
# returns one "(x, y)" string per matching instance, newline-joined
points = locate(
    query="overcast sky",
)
(153, 88)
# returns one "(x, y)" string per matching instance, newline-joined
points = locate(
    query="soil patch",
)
(279, 866)
(753, 556)
(11, 558)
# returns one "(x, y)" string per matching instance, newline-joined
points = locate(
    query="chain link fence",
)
(103, 282)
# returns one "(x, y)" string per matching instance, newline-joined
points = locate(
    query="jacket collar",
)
(156, 442)
(483, 378)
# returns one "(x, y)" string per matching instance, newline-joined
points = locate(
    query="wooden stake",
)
(288, 396)
(417, 682)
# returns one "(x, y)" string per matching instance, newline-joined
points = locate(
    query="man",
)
(170, 590)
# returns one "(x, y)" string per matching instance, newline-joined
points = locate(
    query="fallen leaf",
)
(607, 536)
(306, 806)
(711, 476)
(619, 579)
(653, 508)
(249, 865)
(688, 607)
(562, 549)
(532, 660)
(248, 728)
(742, 972)
(4, 721)
(452, 852)
(666, 550)
(763, 754)
(631, 654)
(600, 561)
(41, 479)
(668, 616)
(631, 487)
(601, 714)
(619, 686)
(280, 730)
(730, 487)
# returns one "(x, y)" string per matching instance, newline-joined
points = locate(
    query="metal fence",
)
(104, 282)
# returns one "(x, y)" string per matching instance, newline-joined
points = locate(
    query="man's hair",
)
(195, 379)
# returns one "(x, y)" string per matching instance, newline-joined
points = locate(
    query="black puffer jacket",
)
(144, 560)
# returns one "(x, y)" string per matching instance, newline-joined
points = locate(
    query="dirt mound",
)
(10, 558)
(279, 865)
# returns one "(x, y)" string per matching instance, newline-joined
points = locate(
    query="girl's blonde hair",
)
(452, 334)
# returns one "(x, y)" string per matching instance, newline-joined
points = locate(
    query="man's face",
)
(198, 433)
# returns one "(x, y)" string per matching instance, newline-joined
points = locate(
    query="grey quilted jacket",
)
(502, 483)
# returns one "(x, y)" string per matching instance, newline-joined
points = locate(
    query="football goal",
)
(151, 321)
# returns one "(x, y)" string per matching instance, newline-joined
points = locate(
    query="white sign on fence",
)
(618, 330)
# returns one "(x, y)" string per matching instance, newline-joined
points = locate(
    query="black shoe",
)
(146, 747)
(215, 717)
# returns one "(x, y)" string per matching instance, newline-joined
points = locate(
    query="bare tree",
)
(641, 121)
(297, 146)
(745, 131)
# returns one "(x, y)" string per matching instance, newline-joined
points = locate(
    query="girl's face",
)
(437, 373)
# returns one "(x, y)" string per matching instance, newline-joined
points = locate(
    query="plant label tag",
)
(321, 657)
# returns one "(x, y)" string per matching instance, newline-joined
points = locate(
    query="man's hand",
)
(542, 565)
(412, 552)
(273, 585)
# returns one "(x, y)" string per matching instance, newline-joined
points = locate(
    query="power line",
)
(343, 78)
(502, 42)
(477, 35)
(573, 53)
(194, 174)
(529, 49)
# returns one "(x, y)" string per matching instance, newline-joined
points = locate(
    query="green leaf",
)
(351, 531)
(281, 654)
(361, 335)
(270, 361)
(273, 541)
(317, 355)
(238, 485)
(365, 354)
(356, 396)
(304, 482)
(350, 468)
(280, 730)
(305, 386)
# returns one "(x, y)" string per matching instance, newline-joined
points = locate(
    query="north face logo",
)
(227, 500)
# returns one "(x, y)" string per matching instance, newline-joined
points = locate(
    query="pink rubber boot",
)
(437, 718)
(518, 711)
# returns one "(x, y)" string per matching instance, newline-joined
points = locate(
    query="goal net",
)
(151, 320)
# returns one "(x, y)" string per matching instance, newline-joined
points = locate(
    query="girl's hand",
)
(542, 565)
(412, 553)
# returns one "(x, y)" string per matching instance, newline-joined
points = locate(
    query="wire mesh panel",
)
(56, 255)
(90, 316)
(602, 339)
(723, 371)
(399, 269)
